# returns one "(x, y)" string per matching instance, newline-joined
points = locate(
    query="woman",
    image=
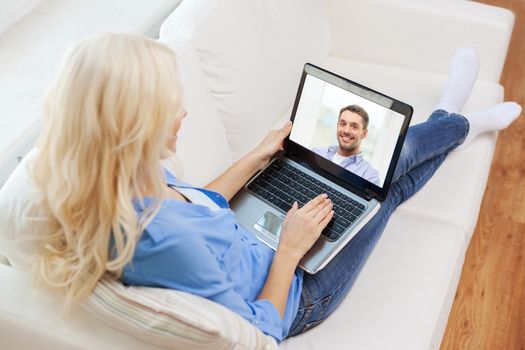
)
(113, 113)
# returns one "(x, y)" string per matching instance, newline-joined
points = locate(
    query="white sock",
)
(462, 75)
(497, 117)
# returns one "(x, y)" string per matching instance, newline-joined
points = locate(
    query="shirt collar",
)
(355, 158)
(215, 196)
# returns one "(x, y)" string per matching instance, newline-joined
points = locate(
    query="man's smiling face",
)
(350, 132)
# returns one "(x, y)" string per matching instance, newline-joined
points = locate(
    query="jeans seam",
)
(416, 183)
(326, 301)
(307, 312)
(304, 325)
(345, 280)
(440, 114)
(467, 127)
(465, 122)
(307, 325)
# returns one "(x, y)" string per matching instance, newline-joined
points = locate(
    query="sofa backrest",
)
(202, 151)
(251, 54)
(20, 216)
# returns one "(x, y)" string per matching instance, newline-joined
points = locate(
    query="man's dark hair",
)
(357, 110)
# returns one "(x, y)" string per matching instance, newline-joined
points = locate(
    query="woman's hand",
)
(272, 143)
(229, 183)
(302, 226)
(301, 229)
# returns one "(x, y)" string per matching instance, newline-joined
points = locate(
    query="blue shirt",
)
(356, 164)
(190, 248)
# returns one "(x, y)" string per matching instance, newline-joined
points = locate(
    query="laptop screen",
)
(348, 130)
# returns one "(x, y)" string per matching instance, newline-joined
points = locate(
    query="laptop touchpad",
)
(269, 223)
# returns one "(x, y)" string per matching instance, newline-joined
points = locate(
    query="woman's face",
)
(172, 141)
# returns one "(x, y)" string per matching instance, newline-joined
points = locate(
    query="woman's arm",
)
(184, 261)
(301, 229)
(277, 285)
(232, 180)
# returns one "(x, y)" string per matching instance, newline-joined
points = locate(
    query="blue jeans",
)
(426, 147)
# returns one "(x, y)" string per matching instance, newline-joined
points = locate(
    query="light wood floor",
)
(489, 307)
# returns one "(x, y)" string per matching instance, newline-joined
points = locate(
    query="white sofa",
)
(240, 63)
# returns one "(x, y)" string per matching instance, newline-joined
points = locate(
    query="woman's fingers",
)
(302, 226)
(280, 134)
(322, 224)
(283, 132)
(272, 143)
(314, 203)
(294, 208)
(286, 128)
(323, 212)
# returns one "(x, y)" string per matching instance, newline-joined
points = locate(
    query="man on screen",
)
(352, 128)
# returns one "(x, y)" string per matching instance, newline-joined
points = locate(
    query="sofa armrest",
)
(420, 35)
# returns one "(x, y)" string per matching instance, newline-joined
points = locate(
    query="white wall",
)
(33, 44)
(308, 110)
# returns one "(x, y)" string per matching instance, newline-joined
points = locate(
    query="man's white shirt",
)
(337, 158)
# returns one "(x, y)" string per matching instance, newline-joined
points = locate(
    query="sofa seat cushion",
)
(405, 289)
(454, 193)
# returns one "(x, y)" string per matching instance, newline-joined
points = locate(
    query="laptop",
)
(328, 152)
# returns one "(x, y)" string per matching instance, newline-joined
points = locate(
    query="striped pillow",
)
(173, 319)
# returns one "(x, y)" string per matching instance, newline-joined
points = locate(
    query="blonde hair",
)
(108, 117)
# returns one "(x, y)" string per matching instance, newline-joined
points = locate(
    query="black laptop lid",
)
(360, 159)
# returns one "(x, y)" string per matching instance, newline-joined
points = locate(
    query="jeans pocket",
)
(315, 315)
(311, 325)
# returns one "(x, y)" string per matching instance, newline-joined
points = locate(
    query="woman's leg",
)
(427, 146)
(440, 134)
(424, 150)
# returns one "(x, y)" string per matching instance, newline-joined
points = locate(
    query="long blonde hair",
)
(108, 117)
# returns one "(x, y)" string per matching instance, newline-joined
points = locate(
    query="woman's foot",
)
(462, 75)
(495, 118)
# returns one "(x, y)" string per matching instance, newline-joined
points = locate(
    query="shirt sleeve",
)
(323, 152)
(188, 264)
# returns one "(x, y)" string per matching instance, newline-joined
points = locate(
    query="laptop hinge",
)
(370, 194)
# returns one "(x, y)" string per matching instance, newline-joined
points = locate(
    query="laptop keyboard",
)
(281, 184)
